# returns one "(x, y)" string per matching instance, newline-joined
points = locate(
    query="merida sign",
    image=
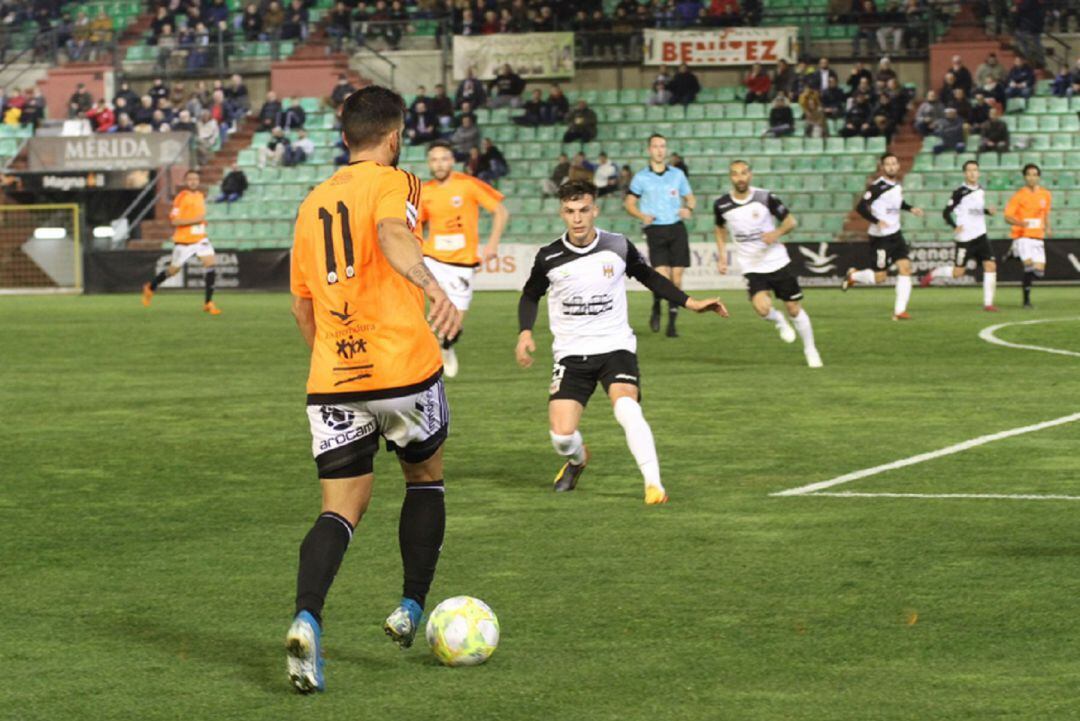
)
(115, 151)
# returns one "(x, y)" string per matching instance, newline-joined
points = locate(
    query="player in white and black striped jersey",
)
(881, 204)
(968, 203)
(748, 216)
(584, 276)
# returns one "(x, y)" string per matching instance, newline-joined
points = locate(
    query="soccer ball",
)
(462, 631)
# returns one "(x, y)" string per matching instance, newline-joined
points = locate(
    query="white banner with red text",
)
(531, 55)
(721, 46)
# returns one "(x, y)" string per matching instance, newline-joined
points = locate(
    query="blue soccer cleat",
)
(401, 625)
(304, 654)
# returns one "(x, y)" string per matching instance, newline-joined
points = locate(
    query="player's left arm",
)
(689, 201)
(303, 309)
(637, 268)
(786, 218)
(917, 212)
(500, 217)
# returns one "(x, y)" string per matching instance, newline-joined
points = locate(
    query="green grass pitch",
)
(157, 480)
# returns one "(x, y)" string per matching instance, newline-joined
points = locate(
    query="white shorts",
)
(1030, 250)
(414, 426)
(455, 280)
(182, 252)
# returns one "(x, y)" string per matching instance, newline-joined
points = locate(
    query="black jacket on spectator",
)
(781, 116)
(1031, 16)
(560, 104)
(270, 114)
(471, 91)
(684, 88)
(234, 182)
(508, 84)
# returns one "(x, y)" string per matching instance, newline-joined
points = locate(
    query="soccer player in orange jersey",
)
(188, 216)
(450, 210)
(359, 282)
(1028, 212)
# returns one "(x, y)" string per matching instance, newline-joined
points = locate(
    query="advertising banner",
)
(108, 151)
(69, 182)
(124, 271)
(531, 55)
(721, 46)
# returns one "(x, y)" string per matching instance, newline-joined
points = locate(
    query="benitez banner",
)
(531, 55)
(108, 151)
(721, 46)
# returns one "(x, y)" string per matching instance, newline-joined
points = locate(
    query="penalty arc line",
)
(986, 334)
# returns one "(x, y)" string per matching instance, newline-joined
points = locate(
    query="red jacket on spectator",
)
(720, 8)
(103, 119)
(758, 84)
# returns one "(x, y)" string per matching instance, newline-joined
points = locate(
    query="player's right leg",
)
(564, 416)
(344, 443)
(989, 285)
(903, 287)
(761, 300)
(639, 438)
(179, 257)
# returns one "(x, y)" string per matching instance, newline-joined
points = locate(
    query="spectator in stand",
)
(784, 81)
(81, 100)
(300, 150)
(270, 113)
(183, 123)
(814, 125)
(855, 77)
(221, 111)
(950, 133)
(990, 68)
(880, 127)
(492, 163)
(124, 124)
(532, 108)
(466, 110)
(342, 158)
(251, 23)
(892, 26)
(859, 116)
(961, 103)
(158, 124)
(840, 12)
(421, 125)
(757, 85)
(272, 20)
(166, 44)
(995, 133)
(207, 134)
(101, 33)
(915, 18)
(558, 176)
(724, 13)
(626, 176)
(295, 26)
(274, 151)
(677, 161)
(472, 162)
(556, 108)
(1020, 81)
(129, 95)
(490, 24)
(660, 95)
(961, 73)
(894, 100)
(995, 90)
(781, 118)
(684, 86)
(580, 169)
(233, 185)
(465, 138)
(79, 43)
(928, 114)
(980, 111)
(581, 124)
(216, 13)
(293, 116)
(339, 25)
(102, 117)
(506, 88)
(833, 100)
(885, 71)
(420, 97)
(868, 24)
(819, 78)
(948, 85)
(470, 91)
(158, 91)
(157, 25)
(237, 95)
(341, 91)
(606, 175)
(33, 108)
(1029, 20)
(144, 113)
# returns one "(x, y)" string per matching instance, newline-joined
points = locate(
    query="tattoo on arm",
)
(419, 275)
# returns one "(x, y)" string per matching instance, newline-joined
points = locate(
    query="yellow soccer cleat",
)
(655, 496)
(567, 478)
(210, 308)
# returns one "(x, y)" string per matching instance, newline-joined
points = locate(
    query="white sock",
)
(571, 446)
(804, 329)
(864, 276)
(639, 438)
(989, 286)
(903, 293)
(942, 273)
(776, 318)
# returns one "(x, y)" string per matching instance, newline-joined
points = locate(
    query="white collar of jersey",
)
(972, 187)
(577, 248)
(749, 196)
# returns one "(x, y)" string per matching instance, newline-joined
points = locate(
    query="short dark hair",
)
(440, 144)
(369, 114)
(739, 161)
(886, 156)
(1029, 166)
(654, 135)
(190, 171)
(575, 189)
(970, 162)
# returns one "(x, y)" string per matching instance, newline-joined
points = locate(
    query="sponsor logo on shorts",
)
(335, 418)
(556, 378)
(348, 436)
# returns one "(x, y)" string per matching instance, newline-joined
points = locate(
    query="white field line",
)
(995, 496)
(986, 334)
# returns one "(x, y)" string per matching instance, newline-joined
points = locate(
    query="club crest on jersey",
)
(456, 201)
(673, 193)
(609, 270)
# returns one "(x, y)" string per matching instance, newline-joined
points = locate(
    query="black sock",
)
(320, 555)
(211, 276)
(1029, 278)
(158, 279)
(656, 304)
(420, 535)
(448, 343)
(672, 311)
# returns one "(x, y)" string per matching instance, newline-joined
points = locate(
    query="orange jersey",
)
(188, 205)
(451, 213)
(1033, 208)
(372, 339)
